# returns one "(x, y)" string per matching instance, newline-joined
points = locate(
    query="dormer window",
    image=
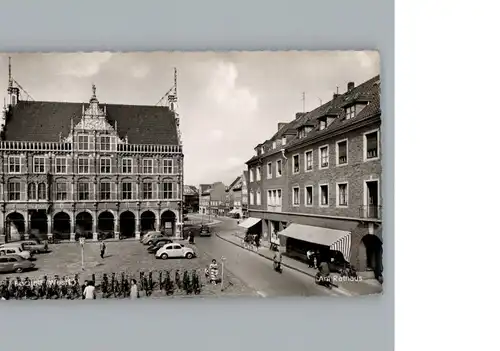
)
(274, 145)
(262, 149)
(283, 141)
(353, 110)
(350, 112)
(304, 131)
(322, 124)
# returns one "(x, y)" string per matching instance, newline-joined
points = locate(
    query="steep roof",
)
(190, 190)
(235, 183)
(44, 121)
(368, 91)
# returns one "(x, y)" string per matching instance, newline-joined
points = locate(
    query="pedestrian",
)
(310, 259)
(134, 291)
(89, 292)
(315, 257)
(103, 248)
(257, 242)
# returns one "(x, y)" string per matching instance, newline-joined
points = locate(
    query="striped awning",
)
(249, 222)
(338, 240)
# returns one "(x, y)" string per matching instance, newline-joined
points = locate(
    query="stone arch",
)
(15, 225)
(61, 227)
(168, 219)
(106, 223)
(148, 220)
(39, 224)
(127, 223)
(106, 210)
(84, 224)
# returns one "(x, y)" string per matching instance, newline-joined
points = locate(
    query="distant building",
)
(316, 183)
(191, 199)
(234, 197)
(204, 198)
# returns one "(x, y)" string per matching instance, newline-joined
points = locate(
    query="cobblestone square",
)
(130, 258)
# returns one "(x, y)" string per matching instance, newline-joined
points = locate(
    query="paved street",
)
(256, 271)
(126, 256)
(246, 273)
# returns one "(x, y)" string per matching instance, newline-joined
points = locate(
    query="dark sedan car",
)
(153, 248)
(160, 240)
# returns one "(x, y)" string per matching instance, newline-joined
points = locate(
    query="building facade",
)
(204, 198)
(70, 170)
(191, 199)
(234, 197)
(316, 184)
(244, 194)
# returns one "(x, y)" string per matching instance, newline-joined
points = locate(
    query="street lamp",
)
(222, 259)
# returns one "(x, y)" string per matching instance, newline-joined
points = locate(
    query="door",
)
(372, 199)
(6, 265)
(176, 250)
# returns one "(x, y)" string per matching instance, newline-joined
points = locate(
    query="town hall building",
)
(93, 170)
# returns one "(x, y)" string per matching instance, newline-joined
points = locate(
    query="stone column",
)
(138, 226)
(72, 226)
(49, 226)
(158, 220)
(94, 227)
(117, 227)
(28, 226)
(2, 227)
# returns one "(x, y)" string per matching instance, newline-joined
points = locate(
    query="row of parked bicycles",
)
(108, 286)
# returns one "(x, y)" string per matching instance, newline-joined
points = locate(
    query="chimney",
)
(350, 86)
(335, 95)
(299, 114)
(281, 125)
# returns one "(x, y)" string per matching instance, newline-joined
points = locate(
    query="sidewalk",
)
(349, 288)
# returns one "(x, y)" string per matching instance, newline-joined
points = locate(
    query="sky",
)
(228, 102)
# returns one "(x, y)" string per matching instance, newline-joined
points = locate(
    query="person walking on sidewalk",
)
(103, 248)
(310, 258)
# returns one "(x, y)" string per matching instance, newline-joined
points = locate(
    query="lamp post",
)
(222, 259)
(82, 243)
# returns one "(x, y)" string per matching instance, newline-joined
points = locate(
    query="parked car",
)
(148, 235)
(10, 249)
(149, 240)
(35, 246)
(154, 248)
(175, 250)
(15, 263)
(160, 240)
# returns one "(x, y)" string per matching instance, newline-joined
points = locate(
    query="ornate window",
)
(61, 165)
(83, 142)
(38, 164)
(14, 164)
(31, 191)
(83, 165)
(14, 191)
(147, 166)
(127, 165)
(105, 191)
(42, 191)
(105, 144)
(170, 190)
(127, 191)
(61, 191)
(105, 165)
(147, 191)
(83, 191)
(168, 166)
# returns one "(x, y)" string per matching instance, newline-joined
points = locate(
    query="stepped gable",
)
(45, 121)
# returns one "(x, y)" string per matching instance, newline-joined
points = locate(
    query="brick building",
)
(316, 184)
(212, 198)
(79, 169)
